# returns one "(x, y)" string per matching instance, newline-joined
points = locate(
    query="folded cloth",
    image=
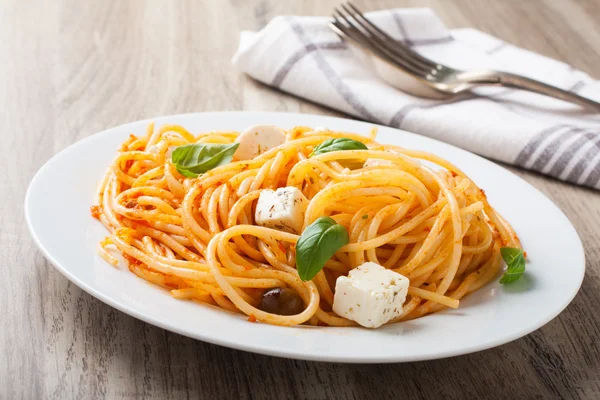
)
(303, 56)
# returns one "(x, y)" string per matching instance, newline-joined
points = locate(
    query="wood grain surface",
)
(71, 68)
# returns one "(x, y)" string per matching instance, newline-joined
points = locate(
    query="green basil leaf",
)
(338, 144)
(192, 160)
(515, 263)
(317, 244)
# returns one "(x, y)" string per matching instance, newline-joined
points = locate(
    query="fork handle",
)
(499, 78)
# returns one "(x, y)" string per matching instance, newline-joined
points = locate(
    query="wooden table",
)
(71, 68)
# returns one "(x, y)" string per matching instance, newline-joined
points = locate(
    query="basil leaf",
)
(192, 160)
(317, 244)
(338, 144)
(515, 262)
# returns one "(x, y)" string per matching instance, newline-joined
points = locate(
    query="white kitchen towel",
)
(302, 56)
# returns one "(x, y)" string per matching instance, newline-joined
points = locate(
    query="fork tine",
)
(357, 36)
(389, 44)
(406, 49)
(348, 35)
(368, 41)
(350, 31)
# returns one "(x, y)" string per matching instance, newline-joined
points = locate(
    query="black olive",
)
(281, 301)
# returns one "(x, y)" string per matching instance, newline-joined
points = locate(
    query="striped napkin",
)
(302, 56)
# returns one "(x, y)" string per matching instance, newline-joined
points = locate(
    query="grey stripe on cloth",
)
(416, 42)
(507, 104)
(583, 138)
(550, 150)
(571, 151)
(401, 28)
(584, 160)
(335, 80)
(593, 178)
(497, 48)
(424, 42)
(576, 87)
(400, 115)
(527, 151)
(297, 56)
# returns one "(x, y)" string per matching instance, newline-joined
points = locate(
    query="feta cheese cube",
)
(376, 162)
(257, 139)
(281, 209)
(370, 295)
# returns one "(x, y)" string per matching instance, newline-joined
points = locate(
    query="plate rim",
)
(482, 345)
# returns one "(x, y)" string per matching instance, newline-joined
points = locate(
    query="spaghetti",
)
(413, 212)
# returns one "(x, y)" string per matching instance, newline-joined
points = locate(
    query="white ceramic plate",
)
(57, 211)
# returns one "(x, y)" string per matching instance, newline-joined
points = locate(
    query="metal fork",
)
(407, 70)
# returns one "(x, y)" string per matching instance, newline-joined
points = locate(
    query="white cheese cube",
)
(282, 209)
(370, 295)
(257, 139)
(376, 162)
